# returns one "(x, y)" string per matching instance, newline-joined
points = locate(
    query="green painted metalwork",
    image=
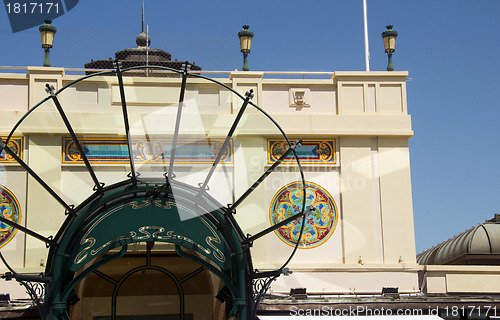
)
(389, 33)
(245, 32)
(46, 60)
(47, 27)
(115, 208)
(390, 67)
(245, 62)
(210, 268)
(69, 288)
(149, 220)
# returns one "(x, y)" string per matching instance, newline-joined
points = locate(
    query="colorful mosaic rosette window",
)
(319, 224)
(10, 210)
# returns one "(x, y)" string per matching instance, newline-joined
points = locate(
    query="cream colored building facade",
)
(365, 114)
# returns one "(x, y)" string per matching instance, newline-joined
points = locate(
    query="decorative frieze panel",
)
(312, 151)
(16, 145)
(151, 151)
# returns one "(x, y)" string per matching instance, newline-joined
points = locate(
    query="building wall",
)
(364, 113)
(460, 279)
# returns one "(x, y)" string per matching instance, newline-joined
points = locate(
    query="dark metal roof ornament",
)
(143, 40)
(142, 55)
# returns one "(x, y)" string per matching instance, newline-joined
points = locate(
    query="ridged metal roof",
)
(478, 245)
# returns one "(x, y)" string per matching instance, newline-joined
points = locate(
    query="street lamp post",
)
(47, 31)
(245, 36)
(389, 36)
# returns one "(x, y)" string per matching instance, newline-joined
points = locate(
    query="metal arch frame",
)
(148, 266)
(63, 280)
(143, 268)
(100, 189)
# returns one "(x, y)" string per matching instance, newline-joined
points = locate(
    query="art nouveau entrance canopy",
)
(189, 169)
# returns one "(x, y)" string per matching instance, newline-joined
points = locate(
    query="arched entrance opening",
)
(189, 231)
(149, 283)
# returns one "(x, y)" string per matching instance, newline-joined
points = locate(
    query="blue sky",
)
(449, 47)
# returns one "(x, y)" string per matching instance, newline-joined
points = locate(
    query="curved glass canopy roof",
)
(186, 138)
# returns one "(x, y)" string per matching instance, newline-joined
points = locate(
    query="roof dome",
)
(135, 57)
(143, 40)
(479, 245)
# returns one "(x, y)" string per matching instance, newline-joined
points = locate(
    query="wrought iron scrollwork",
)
(35, 285)
(260, 287)
(261, 282)
(36, 291)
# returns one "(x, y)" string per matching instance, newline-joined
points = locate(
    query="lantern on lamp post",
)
(245, 36)
(47, 31)
(389, 36)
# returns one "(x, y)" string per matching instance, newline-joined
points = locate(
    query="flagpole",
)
(367, 49)
(147, 50)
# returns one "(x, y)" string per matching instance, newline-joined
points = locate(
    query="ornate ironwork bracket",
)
(36, 291)
(261, 282)
(35, 286)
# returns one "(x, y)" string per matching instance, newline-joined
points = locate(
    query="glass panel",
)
(202, 137)
(206, 119)
(41, 132)
(235, 179)
(93, 110)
